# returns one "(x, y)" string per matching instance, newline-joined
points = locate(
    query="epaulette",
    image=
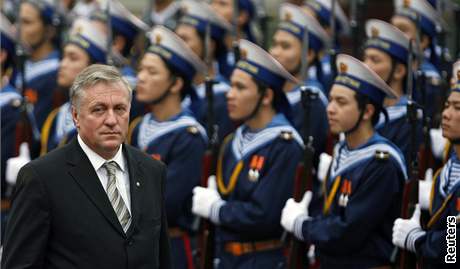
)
(382, 155)
(16, 102)
(192, 129)
(286, 135)
(434, 80)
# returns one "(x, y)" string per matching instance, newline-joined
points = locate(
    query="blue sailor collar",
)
(295, 95)
(346, 159)
(64, 122)
(7, 94)
(245, 142)
(450, 176)
(150, 129)
(396, 111)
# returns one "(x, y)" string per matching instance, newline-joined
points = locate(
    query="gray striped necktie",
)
(114, 196)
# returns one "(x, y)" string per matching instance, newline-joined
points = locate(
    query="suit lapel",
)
(136, 184)
(83, 173)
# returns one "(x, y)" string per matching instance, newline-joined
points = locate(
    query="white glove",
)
(292, 210)
(407, 231)
(438, 143)
(323, 165)
(424, 189)
(13, 165)
(205, 200)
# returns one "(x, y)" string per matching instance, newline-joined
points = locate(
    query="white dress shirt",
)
(122, 174)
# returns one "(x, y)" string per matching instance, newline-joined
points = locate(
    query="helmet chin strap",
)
(164, 95)
(257, 108)
(352, 129)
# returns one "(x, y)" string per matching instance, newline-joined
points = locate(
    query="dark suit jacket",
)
(61, 216)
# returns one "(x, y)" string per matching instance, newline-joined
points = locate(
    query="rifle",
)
(332, 50)
(410, 194)
(236, 49)
(297, 254)
(209, 166)
(109, 34)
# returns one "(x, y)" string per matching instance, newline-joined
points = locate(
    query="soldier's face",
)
(405, 25)
(342, 110)
(379, 62)
(74, 60)
(33, 30)
(451, 117)
(192, 39)
(223, 8)
(286, 48)
(153, 78)
(102, 117)
(243, 95)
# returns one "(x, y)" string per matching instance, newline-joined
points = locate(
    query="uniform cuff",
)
(298, 224)
(215, 209)
(412, 237)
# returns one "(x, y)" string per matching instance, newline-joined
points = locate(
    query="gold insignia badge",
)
(157, 39)
(192, 130)
(406, 3)
(243, 54)
(288, 16)
(374, 32)
(343, 67)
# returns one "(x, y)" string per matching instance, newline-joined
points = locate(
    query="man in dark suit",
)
(96, 202)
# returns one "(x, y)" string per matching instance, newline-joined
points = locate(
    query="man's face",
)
(450, 123)
(33, 30)
(102, 117)
(243, 95)
(342, 110)
(286, 48)
(192, 39)
(224, 8)
(153, 78)
(74, 60)
(379, 62)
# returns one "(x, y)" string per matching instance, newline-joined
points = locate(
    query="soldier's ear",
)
(400, 71)
(177, 85)
(243, 18)
(424, 41)
(369, 112)
(267, 99)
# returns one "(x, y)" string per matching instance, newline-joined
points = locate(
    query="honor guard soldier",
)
(365, 182)
(243, 19)
(170, 133)
(41, 36)
(247, 13)
(288, 47)
(255, 167)
(165, 12)
(418, 19)
(386, 53)
(86, 45)
(192, 29)
(288, 50)
(10, 98)
(435, 244)
(322, 11)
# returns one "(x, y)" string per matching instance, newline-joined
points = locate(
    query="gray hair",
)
(92, 75)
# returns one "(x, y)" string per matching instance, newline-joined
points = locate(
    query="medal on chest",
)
(255, 166)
